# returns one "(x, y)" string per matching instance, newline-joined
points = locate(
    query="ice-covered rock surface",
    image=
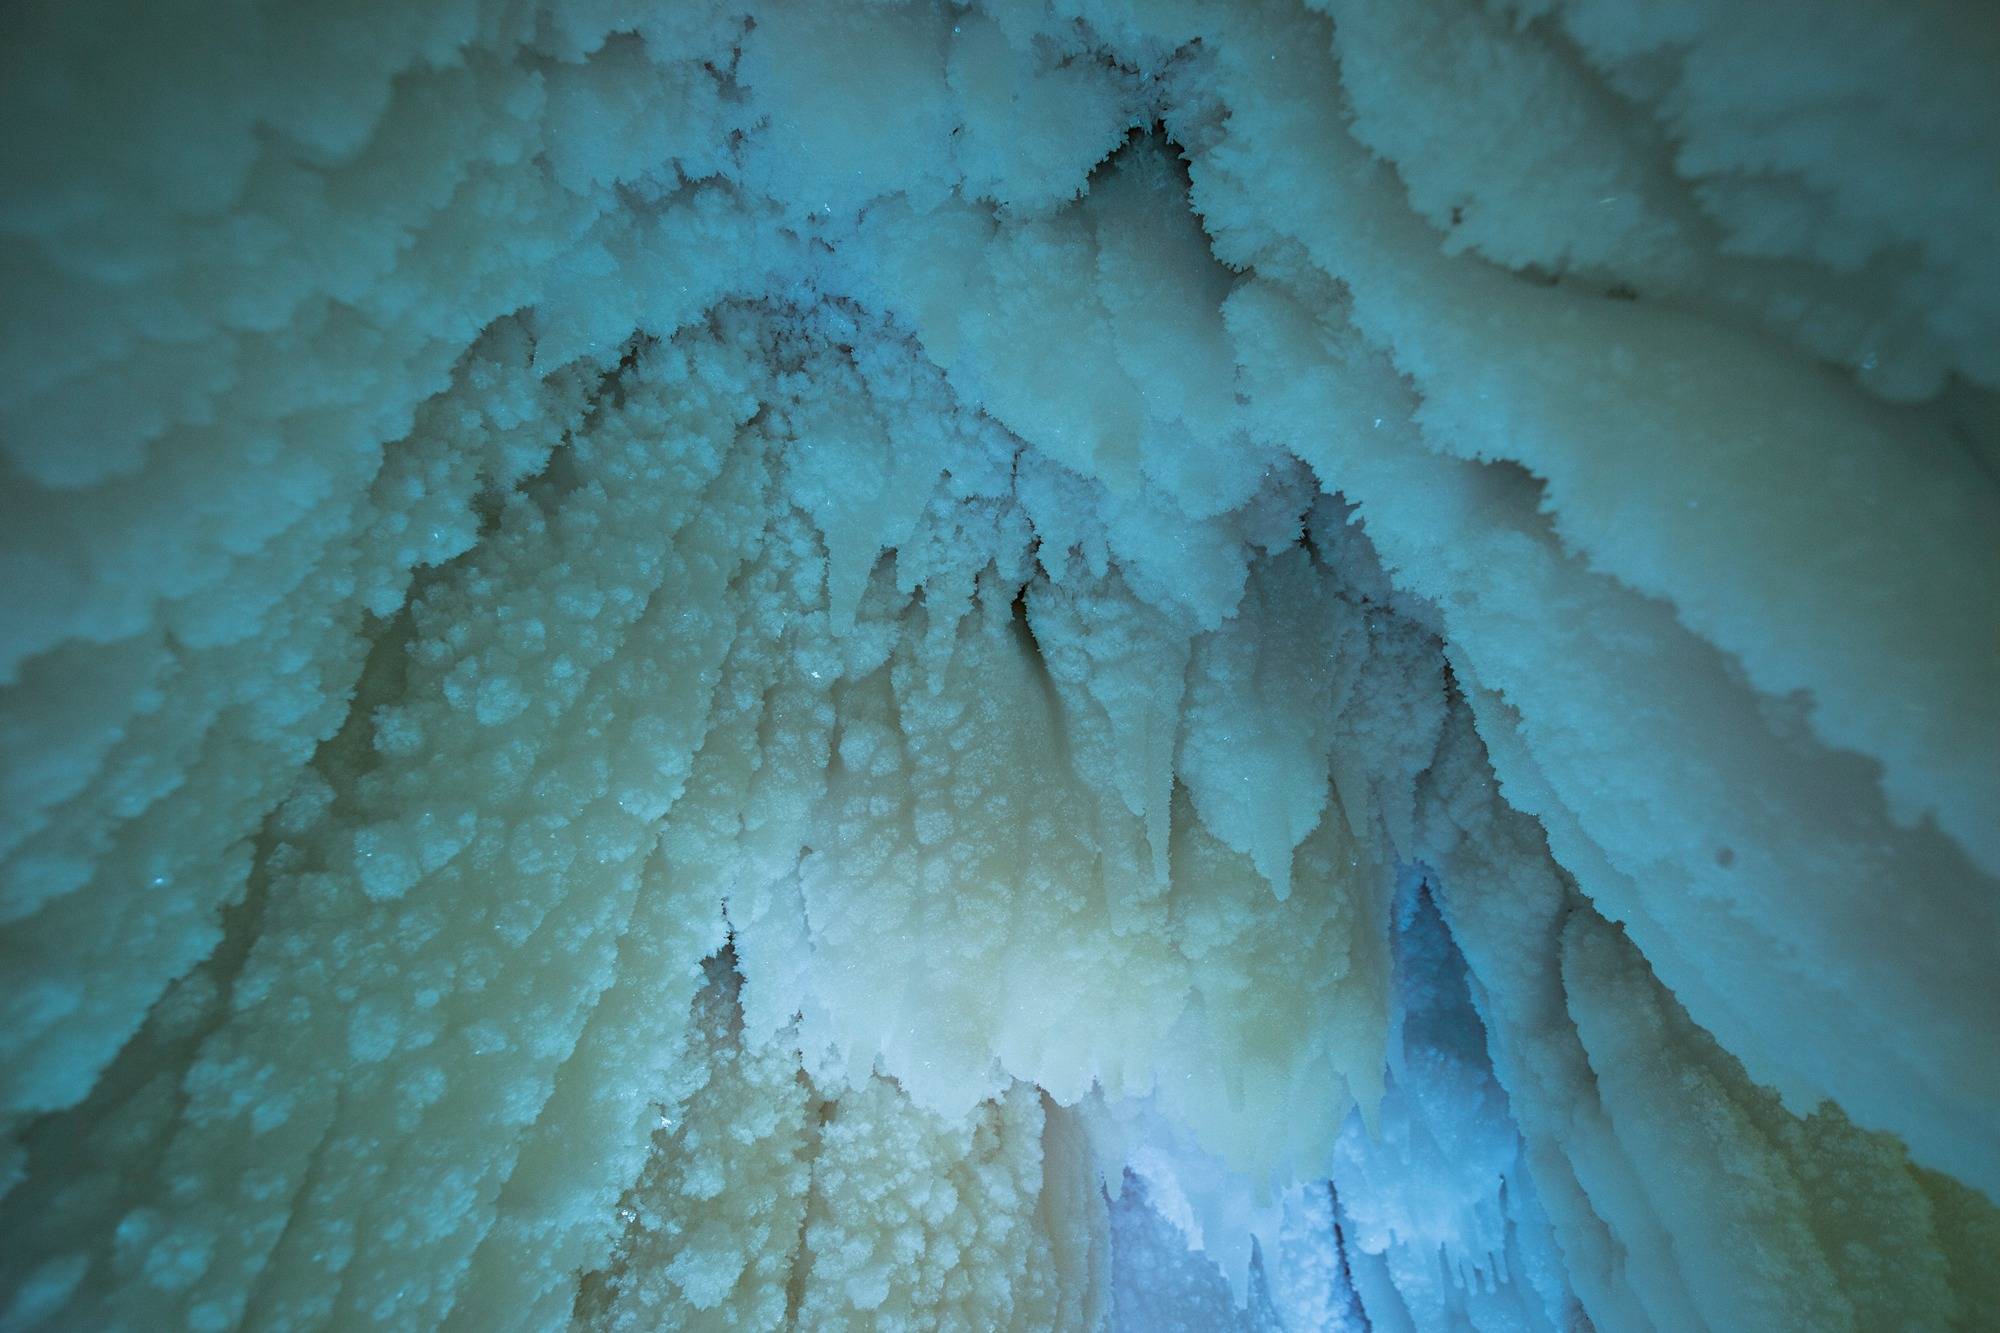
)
(1059, 664)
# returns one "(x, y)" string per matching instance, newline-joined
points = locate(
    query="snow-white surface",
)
(900, 665)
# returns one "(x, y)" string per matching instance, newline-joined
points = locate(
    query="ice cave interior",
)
(1027, 664)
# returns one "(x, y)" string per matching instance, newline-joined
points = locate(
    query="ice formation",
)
(1039, 665)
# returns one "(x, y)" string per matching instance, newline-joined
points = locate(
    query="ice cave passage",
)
(1029, 665)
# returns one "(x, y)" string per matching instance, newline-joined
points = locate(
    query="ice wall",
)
(700, 665)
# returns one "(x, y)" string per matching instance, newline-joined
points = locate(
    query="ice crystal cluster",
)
(1063, 664)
